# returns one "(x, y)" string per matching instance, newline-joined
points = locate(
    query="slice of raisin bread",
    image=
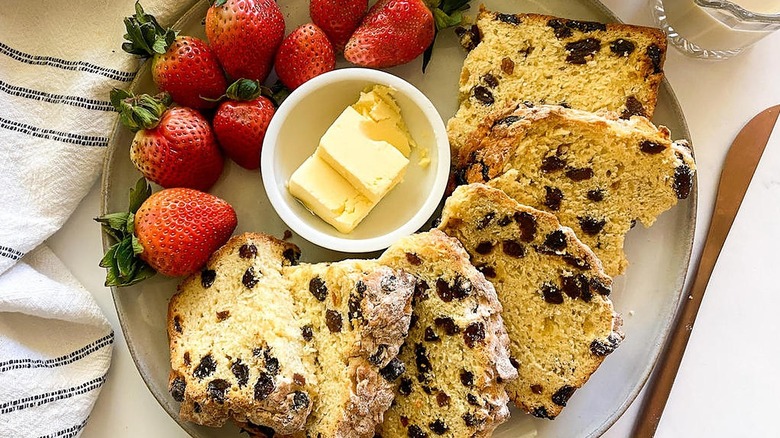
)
(561, 323)
(456, 357)
(598, 174)
(343, 321)
(235, 351)
(354, 316)
(544, 59)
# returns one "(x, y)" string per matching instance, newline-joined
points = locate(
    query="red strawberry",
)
(179, 229)
(245, 35)
(338, 18)
(305, 53)
(240, 122)
(183, 66)
(172, 232)
(173, 147)
(395, 32)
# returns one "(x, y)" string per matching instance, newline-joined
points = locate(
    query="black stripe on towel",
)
(70, 432)
(50, 134)
(123, 76)
(49, 397)
(16, 364)
(10, 253)
(27, 93)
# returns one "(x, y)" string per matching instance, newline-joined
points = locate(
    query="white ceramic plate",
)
(647, 295)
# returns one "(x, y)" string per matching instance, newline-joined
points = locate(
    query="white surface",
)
(405, 209)
(726, 385)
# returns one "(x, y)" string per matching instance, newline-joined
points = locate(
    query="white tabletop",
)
(727, 383)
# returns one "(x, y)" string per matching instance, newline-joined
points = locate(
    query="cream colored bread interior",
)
(542, 59)
(455, 354)
(598, 175)
(551, 286)
(232, 345)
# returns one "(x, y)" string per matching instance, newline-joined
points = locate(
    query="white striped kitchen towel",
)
(58, 62)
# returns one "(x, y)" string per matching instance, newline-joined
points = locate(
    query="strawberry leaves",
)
(448, 13)
(244, 90)
(139, 112)
(123, 267)
(145, 37)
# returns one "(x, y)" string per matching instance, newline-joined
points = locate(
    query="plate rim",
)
(657, 347)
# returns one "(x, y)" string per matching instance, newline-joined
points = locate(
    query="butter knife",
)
(738, 169)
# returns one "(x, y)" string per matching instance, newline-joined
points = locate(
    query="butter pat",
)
(383, 119)
(359, 159)
(328, 195)
(353, 147)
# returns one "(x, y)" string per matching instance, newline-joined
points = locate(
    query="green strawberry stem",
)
(244, 90)
(145, 37)
(123, 266)
(248, 89)
(139, 112)
(446, 14)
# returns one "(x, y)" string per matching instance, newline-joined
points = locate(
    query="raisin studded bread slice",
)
(343, 322)
(353, 316)
(598, 174)
(235, 350)
(561, 323)
(456, 357)
(543, 59)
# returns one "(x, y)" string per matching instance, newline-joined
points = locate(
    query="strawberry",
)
(173, 147)
(305, 53)
(182, 66)
(395, 32)
(241, 121)
(245, 35)
(173, 232)
(338, 18)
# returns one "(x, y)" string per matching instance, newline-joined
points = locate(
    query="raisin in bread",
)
(543, 59)
(456, 357)
(235, 353)
(561, 323)
(344, 322)
(354, 316)
(598, 174)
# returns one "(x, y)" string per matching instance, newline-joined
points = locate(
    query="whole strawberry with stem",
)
(172, 146)
(245, 35)
(173, 232)
(183, 66)
(338, 18)
(305, 53)
(395, 32)
(241, 121)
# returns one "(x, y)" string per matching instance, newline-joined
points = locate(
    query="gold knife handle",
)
(738, 170)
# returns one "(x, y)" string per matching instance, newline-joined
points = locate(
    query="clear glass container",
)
(716, 29)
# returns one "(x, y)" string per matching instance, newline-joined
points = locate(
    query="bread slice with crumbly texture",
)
(320, 340)
(597, 173)
(456, 357)
(560, 322)
(354, 316)
(235, 352)
(543, 59)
